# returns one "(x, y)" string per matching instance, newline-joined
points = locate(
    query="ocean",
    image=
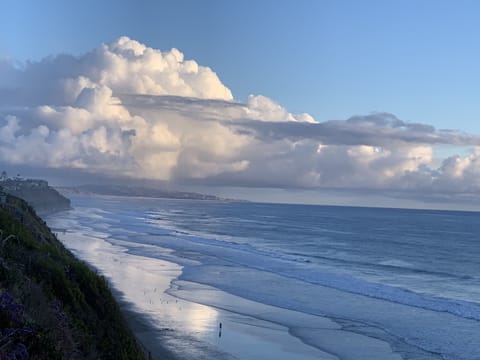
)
(241, 280)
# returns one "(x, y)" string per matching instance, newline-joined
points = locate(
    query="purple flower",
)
(11, 308)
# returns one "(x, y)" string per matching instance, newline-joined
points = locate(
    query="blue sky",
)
(333, 59)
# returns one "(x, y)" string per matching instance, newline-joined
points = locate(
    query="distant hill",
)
(120, 190)
(42, 197)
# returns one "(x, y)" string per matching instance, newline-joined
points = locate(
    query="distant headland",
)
(37, 193)
(135, 191)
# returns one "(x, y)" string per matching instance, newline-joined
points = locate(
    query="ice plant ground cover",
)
(15, 334)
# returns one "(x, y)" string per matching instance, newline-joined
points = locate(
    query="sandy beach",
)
(189, 329)
(149, 338)
(150, 294)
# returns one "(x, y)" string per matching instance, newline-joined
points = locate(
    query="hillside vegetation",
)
(52, 306)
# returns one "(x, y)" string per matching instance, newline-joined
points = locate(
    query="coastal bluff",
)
(53, 306)
(37, 193)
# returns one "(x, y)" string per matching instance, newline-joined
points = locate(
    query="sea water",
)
(332, 282)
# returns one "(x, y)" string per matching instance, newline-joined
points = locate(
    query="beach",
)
(190, 329)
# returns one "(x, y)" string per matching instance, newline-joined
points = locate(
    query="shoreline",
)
(188, 329)
(53, 304)
(144, 331)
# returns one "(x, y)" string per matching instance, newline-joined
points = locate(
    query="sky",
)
(369, 99)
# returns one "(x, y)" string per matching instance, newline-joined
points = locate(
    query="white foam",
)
(295, 267)
(397, 263)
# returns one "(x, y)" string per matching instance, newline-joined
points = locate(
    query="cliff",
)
(53, 306)
(42, 197)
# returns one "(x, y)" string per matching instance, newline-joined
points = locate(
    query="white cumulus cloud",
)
(125, 109)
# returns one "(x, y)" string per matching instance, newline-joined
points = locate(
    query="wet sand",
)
(170, 327)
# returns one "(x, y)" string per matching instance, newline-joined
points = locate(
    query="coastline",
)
(147, 336)
(53, 304)
(150, 293)
(145, 332)
(175, 328)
